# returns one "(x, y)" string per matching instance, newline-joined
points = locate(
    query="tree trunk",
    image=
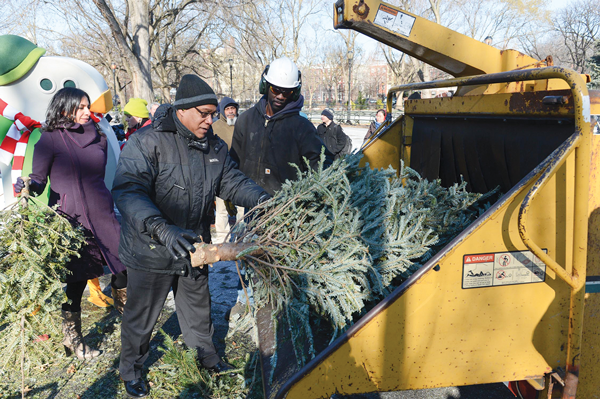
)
(211, 253)
(141, 75)
(137, 56)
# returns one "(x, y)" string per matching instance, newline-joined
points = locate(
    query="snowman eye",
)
(69, 83)
(46, 84)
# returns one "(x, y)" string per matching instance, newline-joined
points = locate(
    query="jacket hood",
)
(225, 102)
(293, 107)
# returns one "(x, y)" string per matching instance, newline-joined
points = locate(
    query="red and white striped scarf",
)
(14, 145)
(96, 116)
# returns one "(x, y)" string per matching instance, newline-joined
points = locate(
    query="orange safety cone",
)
(97, 297)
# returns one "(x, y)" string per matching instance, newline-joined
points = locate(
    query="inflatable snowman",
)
(28, 80)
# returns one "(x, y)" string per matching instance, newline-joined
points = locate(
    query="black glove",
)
(19, 185)
(177, 240)
(263, 198)
(33, 186)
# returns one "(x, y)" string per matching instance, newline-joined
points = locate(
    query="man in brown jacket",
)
(224, 129)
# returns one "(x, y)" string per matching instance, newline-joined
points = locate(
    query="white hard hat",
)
(283, 73)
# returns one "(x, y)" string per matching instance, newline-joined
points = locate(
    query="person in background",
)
(137, 115)
(73, 154)
(152, 109)
(379, 119)
(333, 135)
(272, 135)
(223, 128)
(166, 181)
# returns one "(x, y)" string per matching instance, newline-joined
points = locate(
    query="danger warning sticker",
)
(504, 268)
(479, 258)
(394, 20)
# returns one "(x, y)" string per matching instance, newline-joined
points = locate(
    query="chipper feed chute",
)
(486, 308)
(506, 299)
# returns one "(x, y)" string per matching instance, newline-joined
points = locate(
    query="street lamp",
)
(231, 76)
(350, 55)
(113, 66)
(172, 93)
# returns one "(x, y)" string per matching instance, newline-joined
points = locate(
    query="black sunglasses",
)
(278, 90)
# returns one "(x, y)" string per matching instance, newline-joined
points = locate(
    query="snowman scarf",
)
(14, 143)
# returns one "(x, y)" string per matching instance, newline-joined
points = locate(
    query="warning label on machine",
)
(504, 268)
(394, 20)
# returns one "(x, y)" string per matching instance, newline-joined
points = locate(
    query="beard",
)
(231, 121)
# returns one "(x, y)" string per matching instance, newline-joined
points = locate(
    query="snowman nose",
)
(103, 103)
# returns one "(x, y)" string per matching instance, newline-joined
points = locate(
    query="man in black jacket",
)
(272, 134)
(167, 177)
(333, 136)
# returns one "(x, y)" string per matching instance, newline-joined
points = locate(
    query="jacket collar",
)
(293, 107)
(164, 121)
(82, 134)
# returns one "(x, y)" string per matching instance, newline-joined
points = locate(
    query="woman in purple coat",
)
(72, 153)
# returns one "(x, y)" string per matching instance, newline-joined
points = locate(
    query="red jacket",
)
(130, 131)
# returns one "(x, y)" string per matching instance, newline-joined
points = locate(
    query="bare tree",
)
(152, 42)
(131, 36)
(578, 26)
(180, 42)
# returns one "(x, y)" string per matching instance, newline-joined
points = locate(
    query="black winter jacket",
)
(265, 146)
(333, 136)
(159, 175)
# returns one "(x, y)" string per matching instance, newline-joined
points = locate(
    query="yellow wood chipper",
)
(514, 297)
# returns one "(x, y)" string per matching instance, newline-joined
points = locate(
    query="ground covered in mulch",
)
(171, 369)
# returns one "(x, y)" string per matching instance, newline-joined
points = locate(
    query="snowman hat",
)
(17, 56)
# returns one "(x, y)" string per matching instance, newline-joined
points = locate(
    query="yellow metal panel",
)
(385, 150)
(589, 378)
(435, 333)
(510, 104)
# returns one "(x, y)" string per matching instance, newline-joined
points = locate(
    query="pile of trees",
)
(341, 238)
(35, 245)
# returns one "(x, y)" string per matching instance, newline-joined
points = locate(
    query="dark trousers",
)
(146, 295)
(74, 293)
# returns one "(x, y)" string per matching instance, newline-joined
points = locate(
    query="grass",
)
(171, 370)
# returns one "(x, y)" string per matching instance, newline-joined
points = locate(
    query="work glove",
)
(179, 242)
(257, 213)
(33, 186)
(263, 198)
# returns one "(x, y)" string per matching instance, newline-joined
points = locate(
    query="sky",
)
(556, 4)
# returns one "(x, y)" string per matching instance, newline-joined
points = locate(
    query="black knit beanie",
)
(192, 92)
(327, 112)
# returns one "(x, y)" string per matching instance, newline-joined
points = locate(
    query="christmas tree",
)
(337, 239)
(35, 244)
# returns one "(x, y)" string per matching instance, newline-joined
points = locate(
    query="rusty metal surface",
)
(570, 388)
(361, 9)
(494, 78)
